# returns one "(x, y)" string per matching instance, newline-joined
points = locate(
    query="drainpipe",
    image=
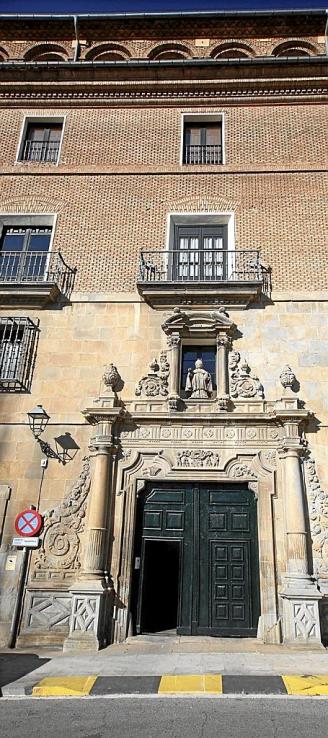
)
(326, 33)
(76, 29)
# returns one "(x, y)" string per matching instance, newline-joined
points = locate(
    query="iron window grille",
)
(42, 142)
(18, 344)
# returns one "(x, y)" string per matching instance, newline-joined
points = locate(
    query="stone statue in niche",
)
(199, 382)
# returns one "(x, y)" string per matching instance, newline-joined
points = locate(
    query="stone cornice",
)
(205, 95)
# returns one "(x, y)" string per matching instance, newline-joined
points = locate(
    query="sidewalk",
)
(169, 665)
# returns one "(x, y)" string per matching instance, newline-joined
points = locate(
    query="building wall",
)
(118, 178)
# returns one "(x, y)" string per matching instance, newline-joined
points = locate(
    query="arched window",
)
(294, 48)
(169, 51)
(108, 52)
(46, 52)
(232, 51)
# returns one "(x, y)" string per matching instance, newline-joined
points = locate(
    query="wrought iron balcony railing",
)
(40, 151)
(203, 265)
(36, 267)
(209, 154)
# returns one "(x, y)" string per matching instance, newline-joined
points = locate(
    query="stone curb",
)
(169, 684)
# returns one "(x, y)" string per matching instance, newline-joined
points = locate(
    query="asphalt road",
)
(164, 718)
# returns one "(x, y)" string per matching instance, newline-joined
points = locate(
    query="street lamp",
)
(66, 447)
(38, 419)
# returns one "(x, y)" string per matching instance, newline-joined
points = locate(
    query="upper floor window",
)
(202, 140)
(24, 251)
(200, 253)
(41, 141)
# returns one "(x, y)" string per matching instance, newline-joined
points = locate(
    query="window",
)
(200, 253)
(41, 141)
(189, 356)
(18, 340)
(202, 142)
(24, 252)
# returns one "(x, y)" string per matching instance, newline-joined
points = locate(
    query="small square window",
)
(41, 141)
(202, 139)
(18, 341)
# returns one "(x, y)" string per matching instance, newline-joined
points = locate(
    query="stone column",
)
(96, 537)
(300, 594)
(174, 344)
(92, 595)
(222, 378)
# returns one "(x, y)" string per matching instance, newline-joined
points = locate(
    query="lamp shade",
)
(38, 419)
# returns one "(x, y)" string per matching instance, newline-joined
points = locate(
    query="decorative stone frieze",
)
(60, 547)
(242, 382)
(198, 458)
(155, 383)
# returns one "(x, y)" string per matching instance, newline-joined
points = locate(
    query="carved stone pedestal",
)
(301, 614)
(90, 618)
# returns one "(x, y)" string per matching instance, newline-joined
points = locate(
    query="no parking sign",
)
(28, 523)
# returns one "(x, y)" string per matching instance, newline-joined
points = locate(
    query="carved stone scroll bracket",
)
(155, 383)
(242, 383)
(60, 547)
(318, 514)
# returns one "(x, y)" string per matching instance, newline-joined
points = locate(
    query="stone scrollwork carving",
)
(155, 383)
(242, 382)
(318, 519)
(198, 458)
(63, 524)
(242, 470)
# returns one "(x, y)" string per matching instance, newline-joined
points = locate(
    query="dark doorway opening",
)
(160, 586)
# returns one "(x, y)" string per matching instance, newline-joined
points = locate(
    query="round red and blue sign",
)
(28, 523)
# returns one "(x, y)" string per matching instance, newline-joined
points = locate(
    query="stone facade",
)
(107, 365)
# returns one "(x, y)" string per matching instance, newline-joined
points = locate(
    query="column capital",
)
(174, 340)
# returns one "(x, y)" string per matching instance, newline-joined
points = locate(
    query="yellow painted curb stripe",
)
(311, 685)
(66, 686)
(190, 683)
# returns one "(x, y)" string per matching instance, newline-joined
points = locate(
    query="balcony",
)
(34, 278)
(40, 151)
(208, 154)
(202, 277)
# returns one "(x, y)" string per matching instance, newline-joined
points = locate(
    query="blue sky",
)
(108, 6)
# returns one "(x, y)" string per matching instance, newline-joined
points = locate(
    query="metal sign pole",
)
(19, 598)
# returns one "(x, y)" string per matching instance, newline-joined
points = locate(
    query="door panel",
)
(216, 532)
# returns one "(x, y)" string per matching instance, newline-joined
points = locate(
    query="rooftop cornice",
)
(168, 14)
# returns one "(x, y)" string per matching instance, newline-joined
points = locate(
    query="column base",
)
(301, 622)
(90, 617)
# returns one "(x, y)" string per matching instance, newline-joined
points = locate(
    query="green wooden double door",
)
(196, 560)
